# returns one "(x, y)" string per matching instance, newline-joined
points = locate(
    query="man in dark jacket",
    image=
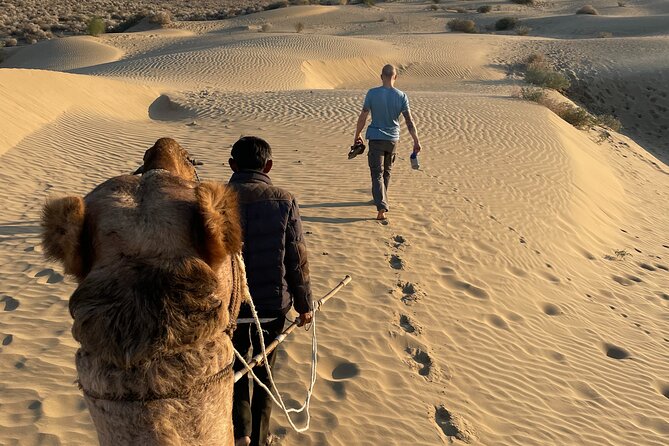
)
(277, 272)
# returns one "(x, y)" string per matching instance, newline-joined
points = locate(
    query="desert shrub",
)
(462, 25)
(587, 9)
(483, 9)
(299, 27)
(265, 27)
(524, 2)
(434, 7)
(622, 4)
(523, 30)
(576, 116)
(609, 121)
(604, 35)
(161, 18)
(532, 94)
(128, 23)
(506, 23)
(546, 77)
(95, 26)
(535, 58)
(277, 5)
(11, 42)
(369, 3)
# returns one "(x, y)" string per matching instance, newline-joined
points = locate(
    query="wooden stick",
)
(258, 359)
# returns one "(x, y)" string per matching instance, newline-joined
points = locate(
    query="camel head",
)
(168, 155)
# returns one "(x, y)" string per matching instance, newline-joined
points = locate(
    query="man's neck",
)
(389, 84)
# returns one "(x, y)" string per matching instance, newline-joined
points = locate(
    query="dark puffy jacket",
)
(274, 250)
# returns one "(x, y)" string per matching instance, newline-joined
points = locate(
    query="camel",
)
(157, 259)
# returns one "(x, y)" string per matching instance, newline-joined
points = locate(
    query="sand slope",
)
(491, 310)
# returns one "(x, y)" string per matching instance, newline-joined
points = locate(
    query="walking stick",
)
(258, 359)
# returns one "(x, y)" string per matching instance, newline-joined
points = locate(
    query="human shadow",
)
(342, 204)
(334, 220)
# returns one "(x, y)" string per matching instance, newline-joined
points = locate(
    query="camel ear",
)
(62, 225)
(220, 217)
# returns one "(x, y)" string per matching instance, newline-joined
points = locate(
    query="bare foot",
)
(381, 215)
(244, 441)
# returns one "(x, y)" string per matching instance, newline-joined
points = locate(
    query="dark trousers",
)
(381, 157)
(251, 410)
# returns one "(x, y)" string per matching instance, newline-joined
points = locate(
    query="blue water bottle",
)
(414, 160)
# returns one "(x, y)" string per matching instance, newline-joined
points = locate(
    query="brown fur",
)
(63, 222)
(158, 286)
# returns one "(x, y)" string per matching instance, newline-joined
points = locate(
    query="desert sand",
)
(519, 294)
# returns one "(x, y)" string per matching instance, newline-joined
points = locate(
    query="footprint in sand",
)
(647, 267)
(345, 370)
(396, 262)
(421, 361)
(411, 293)
(11, 304)
(551, 309)
(51, 276)
(615, 352)
(399, 242)
(409, 325)
(662, 267)
(453, 426)
(7, 340)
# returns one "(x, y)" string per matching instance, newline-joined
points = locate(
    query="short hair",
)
(251, 153)
(388, 71)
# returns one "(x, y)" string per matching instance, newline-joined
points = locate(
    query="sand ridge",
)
(518, 294)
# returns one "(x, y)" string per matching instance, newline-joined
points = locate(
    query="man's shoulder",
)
(250, 192)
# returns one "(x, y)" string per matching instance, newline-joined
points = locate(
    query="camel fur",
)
(160, 280)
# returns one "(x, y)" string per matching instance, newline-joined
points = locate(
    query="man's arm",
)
(297, 266)
(362, 120)
(412, 130)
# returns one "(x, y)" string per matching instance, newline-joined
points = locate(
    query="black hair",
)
(251, 153)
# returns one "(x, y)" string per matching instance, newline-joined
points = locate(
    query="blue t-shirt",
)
(386, 105)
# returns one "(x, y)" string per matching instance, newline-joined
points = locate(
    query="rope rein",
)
(278, 400)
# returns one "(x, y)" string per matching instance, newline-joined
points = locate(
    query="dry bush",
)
(434, 7)
(484, 9)
(11, 42)
(622, 4)
(462, 25)
(532, 94)
(535, 58)
(127, 23)
(538, 72)
(369, 3)
(299, 27)
(574, 115)
(266, 27)
(609, 121)
(587, 9)
(161, 18)
(523, 30)
(506, 23)
(277, 5)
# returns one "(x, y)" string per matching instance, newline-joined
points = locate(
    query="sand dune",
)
(493, 308)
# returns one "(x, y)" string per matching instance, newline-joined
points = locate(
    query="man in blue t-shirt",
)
(386, 104)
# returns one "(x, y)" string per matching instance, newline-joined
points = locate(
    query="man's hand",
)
(357, 140)
(305, 318)
(416, 147)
